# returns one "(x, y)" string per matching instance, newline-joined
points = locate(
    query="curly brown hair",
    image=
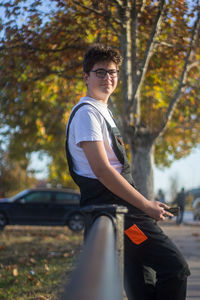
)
(98, 53)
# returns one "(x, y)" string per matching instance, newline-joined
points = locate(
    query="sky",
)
(186, 172)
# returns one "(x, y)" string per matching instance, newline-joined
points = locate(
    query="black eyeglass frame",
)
(105, 72)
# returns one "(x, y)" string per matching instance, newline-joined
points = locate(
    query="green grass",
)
(35, 261)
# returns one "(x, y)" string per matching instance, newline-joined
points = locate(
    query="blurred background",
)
(42, 44)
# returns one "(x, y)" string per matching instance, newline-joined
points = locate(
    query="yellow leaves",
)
(156, 88)
(90, 37)
(15, 272)
(49, 138)
(41, 128)
(192, 101)
(172, 124)
(49, 90)
(32, 260)
(66, 116)
(41, 297)
(46, 268)
(157, 94)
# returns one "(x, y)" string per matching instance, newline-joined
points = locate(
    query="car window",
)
(66, 198)
(19, 195)
(38, 197)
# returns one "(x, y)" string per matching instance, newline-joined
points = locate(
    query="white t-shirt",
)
(88, 124)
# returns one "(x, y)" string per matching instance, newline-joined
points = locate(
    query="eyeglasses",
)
(101, 73)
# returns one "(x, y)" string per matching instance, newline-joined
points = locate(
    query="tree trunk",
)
(142, 162)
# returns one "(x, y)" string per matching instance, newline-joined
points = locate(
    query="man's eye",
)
(112, 72)
(101, 73)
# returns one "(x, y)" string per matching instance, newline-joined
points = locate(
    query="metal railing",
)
(99, 273)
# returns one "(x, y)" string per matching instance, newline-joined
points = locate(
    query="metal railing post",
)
(99, 273)
(117, 213)
(120, 213)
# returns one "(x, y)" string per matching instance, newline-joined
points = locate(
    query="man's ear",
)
(85, 77)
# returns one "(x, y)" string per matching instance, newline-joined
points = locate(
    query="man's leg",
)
(136, 287)
(159, 253)
(176, 289)
(168, 262)
(140, 280)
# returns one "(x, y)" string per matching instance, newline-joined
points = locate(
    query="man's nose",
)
(107, 76)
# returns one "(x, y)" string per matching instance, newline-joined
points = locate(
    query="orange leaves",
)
(2, 247)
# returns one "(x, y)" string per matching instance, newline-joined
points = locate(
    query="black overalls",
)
(154, 267)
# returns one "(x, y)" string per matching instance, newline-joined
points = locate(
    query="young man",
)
(98, 164)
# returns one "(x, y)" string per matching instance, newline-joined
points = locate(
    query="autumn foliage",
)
(42, 44)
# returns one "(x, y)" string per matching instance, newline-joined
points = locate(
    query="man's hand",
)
(158, 210)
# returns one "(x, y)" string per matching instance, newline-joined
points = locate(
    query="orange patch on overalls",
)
(135, 235)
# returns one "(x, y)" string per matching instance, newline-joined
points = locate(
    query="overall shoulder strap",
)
(72, 115)
(77, 108)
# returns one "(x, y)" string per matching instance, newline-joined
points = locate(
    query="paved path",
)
(187, 238)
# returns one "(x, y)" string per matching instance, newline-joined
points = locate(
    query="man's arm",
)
(108, 176)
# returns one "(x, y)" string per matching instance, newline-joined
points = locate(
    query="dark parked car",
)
(196, 209)
(42, 207)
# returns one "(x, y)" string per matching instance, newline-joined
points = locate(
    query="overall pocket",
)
(135, 234)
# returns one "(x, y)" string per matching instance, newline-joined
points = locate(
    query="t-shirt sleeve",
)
(87, 126)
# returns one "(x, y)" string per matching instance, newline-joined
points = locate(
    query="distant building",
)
(194, 192)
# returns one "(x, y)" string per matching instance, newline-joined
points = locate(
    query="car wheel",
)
(3, 221)
(76, 222)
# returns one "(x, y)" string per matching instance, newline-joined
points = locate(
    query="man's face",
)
(101, 87)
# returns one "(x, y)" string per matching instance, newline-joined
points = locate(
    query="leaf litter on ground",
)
(34, 261)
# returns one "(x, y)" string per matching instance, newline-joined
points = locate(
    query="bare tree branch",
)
(27, 46)
(144, 63)
(98, 12)
(178, 46)
(141, 6)
(134, 34)
(118, 2)
(182, 81)
(150, 45)
(124, 14)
